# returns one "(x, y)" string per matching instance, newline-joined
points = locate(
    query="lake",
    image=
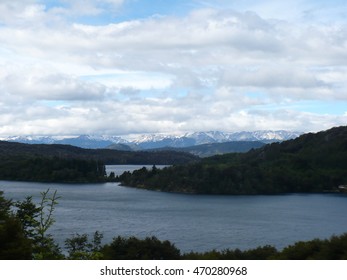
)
(191, 222)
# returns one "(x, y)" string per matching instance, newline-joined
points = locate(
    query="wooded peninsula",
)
(313, 162)
(69, 164)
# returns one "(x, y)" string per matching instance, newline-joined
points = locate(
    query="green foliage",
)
(27, 213)
(131, 248)
(68, 164)
(55, 169)
(211, 149)
(14, 245)
(5, 206)
(112, 176)
(36, 221)
(310, 163)
(44, 245)
(334, 248)
(260, 253)
(80, 248)
(11, 150)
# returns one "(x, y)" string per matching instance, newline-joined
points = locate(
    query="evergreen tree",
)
(14, 244)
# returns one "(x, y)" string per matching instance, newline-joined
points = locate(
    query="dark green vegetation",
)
(24, 226)
(68, 164)
(51, 169)
(207, 150)
(23, 232)
(334, 248)
(10, 149)
(309, 163)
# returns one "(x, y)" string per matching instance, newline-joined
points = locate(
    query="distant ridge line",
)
(154, 141)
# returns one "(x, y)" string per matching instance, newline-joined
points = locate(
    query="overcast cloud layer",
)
(121, 67)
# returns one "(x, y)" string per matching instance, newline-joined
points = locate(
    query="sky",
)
(120, 67)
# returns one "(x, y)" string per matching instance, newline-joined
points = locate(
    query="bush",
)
(132, 248)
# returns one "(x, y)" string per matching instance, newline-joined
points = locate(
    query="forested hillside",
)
(68, 164)
(207, 150)
(9, 149)
(51, 169)
(310, 163)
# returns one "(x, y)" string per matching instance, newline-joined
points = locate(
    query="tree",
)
(132, 248)
(27, 213)
(45, 245)
(35, 222)
(14, 245)
(79, 247)
(112, 177)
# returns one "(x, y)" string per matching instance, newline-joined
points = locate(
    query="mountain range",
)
(156, 141)
(207, 150)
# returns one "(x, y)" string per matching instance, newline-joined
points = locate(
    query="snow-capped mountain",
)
(207, 137)
(83, 141)
(260, 135)
(91, 141)
(264, 135)
(30, 139)
(153, 141)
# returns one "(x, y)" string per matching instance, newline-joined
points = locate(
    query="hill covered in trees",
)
(68, 164)
(211, 149)
(10, 149)
(313, 162)
(52, 169)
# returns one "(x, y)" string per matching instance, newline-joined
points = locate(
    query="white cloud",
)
(51, 87)
(159, 74)
(87, 7)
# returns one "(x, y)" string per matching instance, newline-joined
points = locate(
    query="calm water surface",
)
(192, 222)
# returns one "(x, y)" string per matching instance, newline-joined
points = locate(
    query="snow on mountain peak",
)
(159, 140)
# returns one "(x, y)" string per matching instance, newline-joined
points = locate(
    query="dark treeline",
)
(309, 163)
(51, 169)
(69, 164)
(107, 156)
(211, 149)
(23, 235)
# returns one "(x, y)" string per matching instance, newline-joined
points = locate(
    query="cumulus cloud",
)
(85, 7)
(51, 87)
(209, 69)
